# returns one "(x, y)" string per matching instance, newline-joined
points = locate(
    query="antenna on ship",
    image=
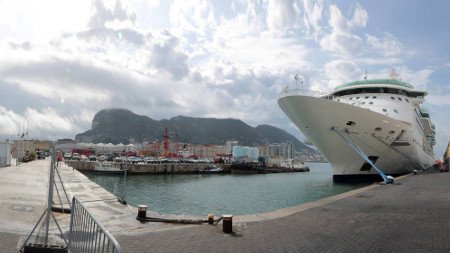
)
(298, 79)
(365, 76)
(393, 74)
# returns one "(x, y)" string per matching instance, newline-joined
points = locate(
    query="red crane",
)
(166, 141)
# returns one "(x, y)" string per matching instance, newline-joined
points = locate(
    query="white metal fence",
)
(87, 234)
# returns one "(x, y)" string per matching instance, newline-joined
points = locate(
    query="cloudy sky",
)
(62, 61)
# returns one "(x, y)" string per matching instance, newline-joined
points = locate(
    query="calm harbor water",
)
(199, 194)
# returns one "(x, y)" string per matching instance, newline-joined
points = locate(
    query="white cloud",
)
(342, 71)
(166, 56)
(196, 16)
(389, 46)
(313, 14)
(341, 40)
(360, 17)
(282, 15)
(48, 120)
(9, 122)
(39, 21)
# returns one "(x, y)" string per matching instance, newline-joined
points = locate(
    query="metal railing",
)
(87, 234)
(296, 91)
(311, 93)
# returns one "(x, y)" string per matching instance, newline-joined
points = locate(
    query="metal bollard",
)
(227, 223)
(142, 211)
(210, 218)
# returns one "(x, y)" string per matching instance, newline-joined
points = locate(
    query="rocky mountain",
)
(123, 126)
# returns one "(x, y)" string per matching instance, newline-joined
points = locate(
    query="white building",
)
(5, 154)
(245, 154)
(229, 146)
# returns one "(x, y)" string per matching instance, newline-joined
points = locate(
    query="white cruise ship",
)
(365, 128)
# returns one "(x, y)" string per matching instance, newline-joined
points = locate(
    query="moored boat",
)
(212, 169)
(366, 126)
(107, 167)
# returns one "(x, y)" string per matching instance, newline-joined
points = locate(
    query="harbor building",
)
(229, 146)
(277, 150)
(245, 154)
(5, 154)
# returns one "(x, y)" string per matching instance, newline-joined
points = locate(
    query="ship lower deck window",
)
(384, 110)
(395, 110)
(392, 98)
(374, 97)
(378, 129)
(371, 103)
(366, 97)
(350, 123)
(399, 99)
(407, 100)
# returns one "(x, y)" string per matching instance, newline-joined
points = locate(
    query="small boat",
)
(248, 168)
(211, 169)
(107, 167)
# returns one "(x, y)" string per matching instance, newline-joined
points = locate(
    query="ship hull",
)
(391, 144)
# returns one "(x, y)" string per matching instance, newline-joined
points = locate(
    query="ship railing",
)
(87, 234)
(311, 93)
(286, 92)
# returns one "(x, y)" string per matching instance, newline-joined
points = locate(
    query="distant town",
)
(231, 151)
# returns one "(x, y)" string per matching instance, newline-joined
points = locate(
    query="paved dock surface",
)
(412, 216)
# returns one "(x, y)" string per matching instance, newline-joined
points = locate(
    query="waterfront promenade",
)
(411, 216)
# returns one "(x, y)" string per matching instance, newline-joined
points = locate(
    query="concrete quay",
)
(410, 216)
(156, 168)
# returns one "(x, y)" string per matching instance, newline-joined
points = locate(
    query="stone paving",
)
(411, 216)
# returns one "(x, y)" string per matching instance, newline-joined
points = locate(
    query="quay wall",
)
(159, 168)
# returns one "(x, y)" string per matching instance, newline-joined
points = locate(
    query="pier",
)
(411, 215)
(156, 168)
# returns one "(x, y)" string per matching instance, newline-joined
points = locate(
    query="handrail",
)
(296, 91)
(87, 234)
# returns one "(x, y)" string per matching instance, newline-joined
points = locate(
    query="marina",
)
(226, 193)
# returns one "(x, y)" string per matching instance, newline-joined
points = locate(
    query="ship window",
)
(395, 110)
(357, 97)
(400, 99)
(350, 123)
(350, 98)
(384, 110)
(338, 100)
(371, 103)
(392, 98)
(407, 100)
(366, 97)
(374, 97)
(378, 129)
(392, 132)
(363, 103)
